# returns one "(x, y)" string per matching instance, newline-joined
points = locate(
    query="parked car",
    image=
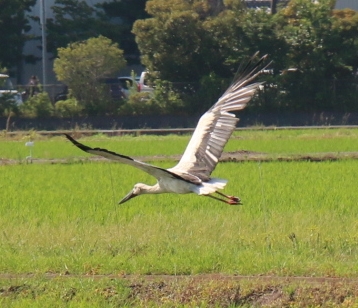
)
(143, 83)
(6, 86)
(62, 96)
(128, 85)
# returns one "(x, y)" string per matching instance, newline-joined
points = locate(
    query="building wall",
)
(342, 4)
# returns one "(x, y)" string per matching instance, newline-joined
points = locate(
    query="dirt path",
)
(205, 290)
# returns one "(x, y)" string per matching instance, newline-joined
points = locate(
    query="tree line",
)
(192, 49)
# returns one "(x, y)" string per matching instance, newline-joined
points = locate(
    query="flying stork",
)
(192, 173)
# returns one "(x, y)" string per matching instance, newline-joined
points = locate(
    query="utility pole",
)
(44, 49)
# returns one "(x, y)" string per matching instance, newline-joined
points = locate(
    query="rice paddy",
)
(298, 218)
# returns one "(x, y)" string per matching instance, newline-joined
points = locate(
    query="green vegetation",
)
(38, 105)
(298, 219)
(163, 100)
(82, 65)
(319, 76)
(310, 37)
(39, 292)
(264, 141)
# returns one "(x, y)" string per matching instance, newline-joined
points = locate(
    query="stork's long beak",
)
(128, 197)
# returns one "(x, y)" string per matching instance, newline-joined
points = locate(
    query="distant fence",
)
(158, 122)
(52, 89)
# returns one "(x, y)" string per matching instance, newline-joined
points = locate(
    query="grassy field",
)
(275, 142)
(298, 218)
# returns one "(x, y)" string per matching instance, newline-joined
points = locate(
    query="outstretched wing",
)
(217, 124)
(157, 172)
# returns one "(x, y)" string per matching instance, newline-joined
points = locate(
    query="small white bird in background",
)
(192, 173)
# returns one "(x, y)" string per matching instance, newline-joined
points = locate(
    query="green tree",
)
(321, 49)
(187, 40)
(174, 42)
(82, 65)
(14, 24)
(202, 43)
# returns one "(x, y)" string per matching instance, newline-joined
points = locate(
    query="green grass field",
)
(298, 218)
(270, 141)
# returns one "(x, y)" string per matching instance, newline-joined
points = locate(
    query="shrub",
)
(164, 100)
(137, 104)
(68, 108)
(38, 105)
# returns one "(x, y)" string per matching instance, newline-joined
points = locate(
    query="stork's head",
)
(137, 190)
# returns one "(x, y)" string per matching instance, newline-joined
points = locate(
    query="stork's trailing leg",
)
(232, 200)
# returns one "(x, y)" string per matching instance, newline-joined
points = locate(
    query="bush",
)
(138, 104)
(167, 100)
(38, 105)
(68, 108)
(164, 100)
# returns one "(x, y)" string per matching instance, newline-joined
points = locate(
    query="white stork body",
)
(170, 185)
(192, 173)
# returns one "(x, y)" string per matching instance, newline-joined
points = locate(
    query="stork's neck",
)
(155, 189)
